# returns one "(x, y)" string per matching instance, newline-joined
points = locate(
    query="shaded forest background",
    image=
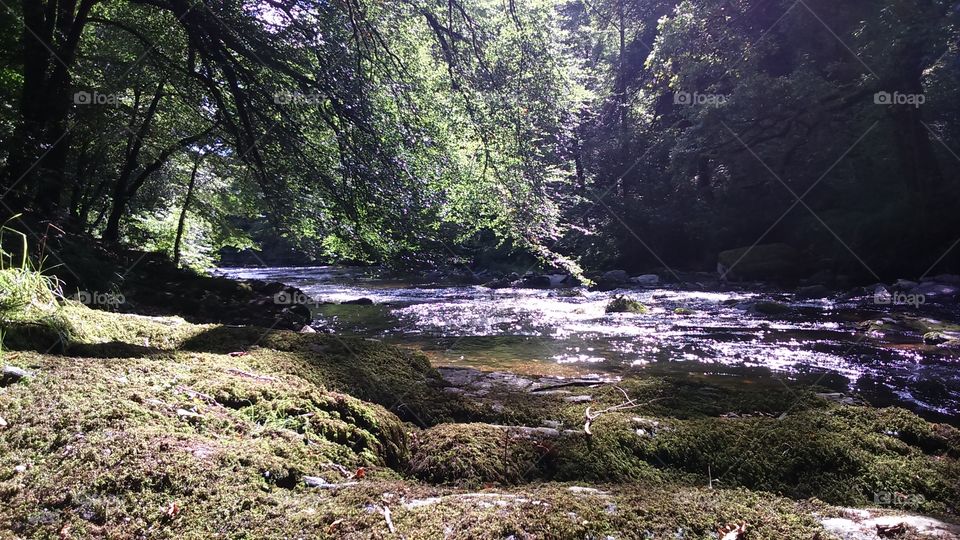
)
(586, 134)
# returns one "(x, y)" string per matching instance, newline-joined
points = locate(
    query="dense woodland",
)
(587, 134)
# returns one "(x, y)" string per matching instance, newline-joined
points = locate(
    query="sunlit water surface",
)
(564, 331)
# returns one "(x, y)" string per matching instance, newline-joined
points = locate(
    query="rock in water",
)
(534, 281)
(12, 374)
(646, 280)
(905, 284)
(934, 290)
(813, 291)
(614, 277)
(358, 302)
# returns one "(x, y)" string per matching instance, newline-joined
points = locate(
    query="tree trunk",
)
(35, 167)
(181, 223)
(621, 101)
(121, 190)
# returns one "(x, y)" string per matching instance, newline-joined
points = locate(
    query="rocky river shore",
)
(154, 427)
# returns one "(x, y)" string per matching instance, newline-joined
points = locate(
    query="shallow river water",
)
(718, 333)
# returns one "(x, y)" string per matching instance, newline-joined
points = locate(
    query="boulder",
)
(612, 279)
(646, 280)
(535, 281)
(499, 283)
(935, 290)
(771, 308)
(813, 291)
(760, 262)
(358, 302)
(905, 284)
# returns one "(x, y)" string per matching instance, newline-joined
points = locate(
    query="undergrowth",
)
(28, 298)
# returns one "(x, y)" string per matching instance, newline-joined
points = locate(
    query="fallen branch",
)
(198, 395)
(591, 383)
(385, 510)
(628, 404)
(317, 482)
(242, 373)
(347, 473)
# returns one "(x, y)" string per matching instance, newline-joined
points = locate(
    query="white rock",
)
(864, 527)
(646, 280)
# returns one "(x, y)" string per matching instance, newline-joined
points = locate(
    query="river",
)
(827, 342)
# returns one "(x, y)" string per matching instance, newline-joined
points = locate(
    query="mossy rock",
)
(771, 308)
(623, 304)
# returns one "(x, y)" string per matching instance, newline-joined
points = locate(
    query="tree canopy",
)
(636, 133)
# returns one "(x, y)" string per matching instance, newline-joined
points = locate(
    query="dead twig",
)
(247, 374)
(629, 403)
(385, 510)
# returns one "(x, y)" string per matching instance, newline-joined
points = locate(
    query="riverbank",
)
(155, 426)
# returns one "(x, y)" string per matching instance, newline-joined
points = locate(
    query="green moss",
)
(561, 511)
(843, 455)
(155, 426)
(111, 443)
(473, 454)
(623, 304)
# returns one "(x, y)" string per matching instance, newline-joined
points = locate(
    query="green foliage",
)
(29, 300)
(411, 132)
(157, 233)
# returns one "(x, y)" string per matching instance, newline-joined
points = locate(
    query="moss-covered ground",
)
(152, 427)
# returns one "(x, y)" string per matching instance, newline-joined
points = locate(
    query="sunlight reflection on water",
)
(473, 325)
